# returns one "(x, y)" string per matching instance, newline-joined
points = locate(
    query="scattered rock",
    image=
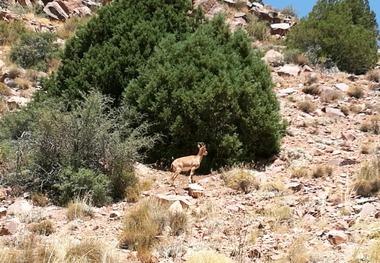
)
(337, 237)
(289, 70)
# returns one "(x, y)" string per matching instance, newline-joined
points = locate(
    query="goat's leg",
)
(191, 175)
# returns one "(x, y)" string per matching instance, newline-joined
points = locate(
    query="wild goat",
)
(188, 163)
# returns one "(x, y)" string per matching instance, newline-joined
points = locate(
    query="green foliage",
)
(210, 87)
(109, 50)
(57, 144)
(84, 182)
(258, 30)
(342, 30)
(34, 50)
(10, 32)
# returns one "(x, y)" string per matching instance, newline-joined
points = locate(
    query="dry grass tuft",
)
(297, 252)
(371, 125)
(69, 27)
(23, 83)
(39, 199)
(330, 95)
(45, 227)
(312, 89)
(241, 181)
(79, 209)
(322, 171)
(306, 106)
(373, 75)
(178, 223)
(142, 225)
(368, 178)
(368, 147)
(5, 90)
(209, 257)
(355, 91)
(300, 172)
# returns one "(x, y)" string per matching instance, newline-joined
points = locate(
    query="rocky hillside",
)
(302, 206)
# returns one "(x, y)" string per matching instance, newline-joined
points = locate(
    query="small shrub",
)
(23, 83)
(300, 172)
(88, 250)
(142, 225)
(84, 182)
(371, 125)
(78, 209)
(69, 27)
(39, 199)
(311, 79)
(5, 90)
(277, 212)
(178, 223)
(45, 227)
(10, 32)
(289, 11)
(34, 50)
(355, 91)
(241, 181)
(133, 194)
(368, 178)
(297, 252)
(306, 106)
(330, 95)
(373, 75)
(295, 56)
(240, 5)
(368, 147)
(322, 171)
(258, 30)
(374, 251)
(312, 89)
(209, 257)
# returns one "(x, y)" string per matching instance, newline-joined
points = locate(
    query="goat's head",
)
(202, 148)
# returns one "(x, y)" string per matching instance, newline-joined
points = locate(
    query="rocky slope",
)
(302, 208)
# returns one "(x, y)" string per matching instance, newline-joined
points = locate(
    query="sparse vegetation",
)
(45, 227)
(300, 172)
(241, 181)
(295, 56)
(355, 91)
(306, 106)
(322, 171)
(79, 209)
(209, 257)
(372, 124)
(5, 90)
(373, 75)
(142, 225)
(39, 199)
(312, 89)
(368, 178)
(329, 95)
(258, 30)
(298, 251)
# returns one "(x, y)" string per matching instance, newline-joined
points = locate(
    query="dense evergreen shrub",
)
(342, 30)
(34, 50)
(211, 87)
(108, 52)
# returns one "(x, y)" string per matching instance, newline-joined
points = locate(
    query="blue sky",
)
(303, 7)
